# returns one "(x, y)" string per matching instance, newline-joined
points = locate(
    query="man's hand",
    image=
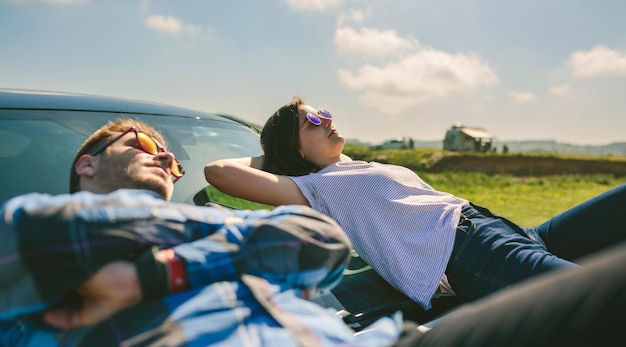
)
(114, 287)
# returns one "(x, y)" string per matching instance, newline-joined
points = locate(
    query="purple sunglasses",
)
(315, 119)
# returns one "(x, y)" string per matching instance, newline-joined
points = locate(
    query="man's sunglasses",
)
(316, 119)
(148, 145)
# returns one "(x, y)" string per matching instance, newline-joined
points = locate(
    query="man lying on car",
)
(116, 263)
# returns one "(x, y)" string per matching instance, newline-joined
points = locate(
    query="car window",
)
(37, 148)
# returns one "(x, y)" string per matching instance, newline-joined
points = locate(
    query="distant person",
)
(505, 149)
(413, 235)
(116, 264)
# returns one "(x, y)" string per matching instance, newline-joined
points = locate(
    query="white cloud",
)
(355, 16)
(417, 78)
(562, 90)
(600, 61)
(371, 42)
(193, 29)
(314, 5)
(164, 24)
(171, 25)
(522, 97)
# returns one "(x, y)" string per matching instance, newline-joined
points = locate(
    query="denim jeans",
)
(490, 252)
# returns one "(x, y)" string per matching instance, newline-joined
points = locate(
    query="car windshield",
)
(37, 147)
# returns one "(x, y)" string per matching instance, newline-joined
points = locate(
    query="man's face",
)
(124, 165)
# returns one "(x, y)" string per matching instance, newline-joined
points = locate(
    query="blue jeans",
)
(490, 252)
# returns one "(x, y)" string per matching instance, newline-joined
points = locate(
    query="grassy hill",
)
(518, 164)
(533, 146)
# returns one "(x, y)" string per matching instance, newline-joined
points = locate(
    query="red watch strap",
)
(176, 267)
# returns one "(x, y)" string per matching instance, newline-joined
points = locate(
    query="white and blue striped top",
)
(397, 222)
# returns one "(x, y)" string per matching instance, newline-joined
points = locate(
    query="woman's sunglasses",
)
(148, 145)
(316, 119)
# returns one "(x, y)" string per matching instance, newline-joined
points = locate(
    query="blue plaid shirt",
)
(247, 271)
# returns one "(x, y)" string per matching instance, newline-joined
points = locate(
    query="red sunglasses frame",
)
(160, 149)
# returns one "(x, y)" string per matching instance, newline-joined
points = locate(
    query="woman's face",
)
(321, 144)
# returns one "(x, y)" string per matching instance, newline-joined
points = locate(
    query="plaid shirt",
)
(247, 271)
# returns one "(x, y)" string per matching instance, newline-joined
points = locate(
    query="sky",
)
(523, 70)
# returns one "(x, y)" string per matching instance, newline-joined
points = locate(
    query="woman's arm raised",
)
(243, 178)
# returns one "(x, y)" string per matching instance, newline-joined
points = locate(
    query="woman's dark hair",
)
(280, 140)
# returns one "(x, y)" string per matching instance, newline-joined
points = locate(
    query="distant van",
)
(403, 143)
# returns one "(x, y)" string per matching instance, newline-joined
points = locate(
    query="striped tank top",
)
(397, 223)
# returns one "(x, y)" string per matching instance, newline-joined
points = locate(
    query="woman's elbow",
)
(213, 172)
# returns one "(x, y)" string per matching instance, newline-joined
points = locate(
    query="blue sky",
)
(524, 70)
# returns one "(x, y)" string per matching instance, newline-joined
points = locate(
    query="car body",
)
(41, 131)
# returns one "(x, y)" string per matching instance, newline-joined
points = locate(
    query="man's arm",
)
(56, 245)
(288, 244)
(114, 287)
(291, 245)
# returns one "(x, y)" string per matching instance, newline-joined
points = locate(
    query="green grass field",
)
(527, 201)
